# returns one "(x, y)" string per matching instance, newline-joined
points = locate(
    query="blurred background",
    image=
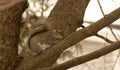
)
(39, 10)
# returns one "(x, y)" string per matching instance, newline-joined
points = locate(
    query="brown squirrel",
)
(41, 39)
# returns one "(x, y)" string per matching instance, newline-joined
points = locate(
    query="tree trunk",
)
(10, 18)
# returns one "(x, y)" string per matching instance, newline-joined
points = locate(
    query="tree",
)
(63, 21)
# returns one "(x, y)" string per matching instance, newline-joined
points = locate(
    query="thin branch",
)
(104, 38)
(101, 9)
(113, 33)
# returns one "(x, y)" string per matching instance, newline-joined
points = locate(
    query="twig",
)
(104, 38)
(113, 33)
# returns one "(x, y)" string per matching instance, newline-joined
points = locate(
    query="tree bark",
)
(10, 18)
(67, 16)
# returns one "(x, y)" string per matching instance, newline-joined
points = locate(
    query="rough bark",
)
(67, 16)
(10, 18)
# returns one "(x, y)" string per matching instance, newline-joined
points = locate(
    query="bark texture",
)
(10, 18)
(67, 16)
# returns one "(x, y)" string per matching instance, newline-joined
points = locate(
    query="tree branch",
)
(85, 58)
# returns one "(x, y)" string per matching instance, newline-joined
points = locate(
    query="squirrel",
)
(41, 39)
